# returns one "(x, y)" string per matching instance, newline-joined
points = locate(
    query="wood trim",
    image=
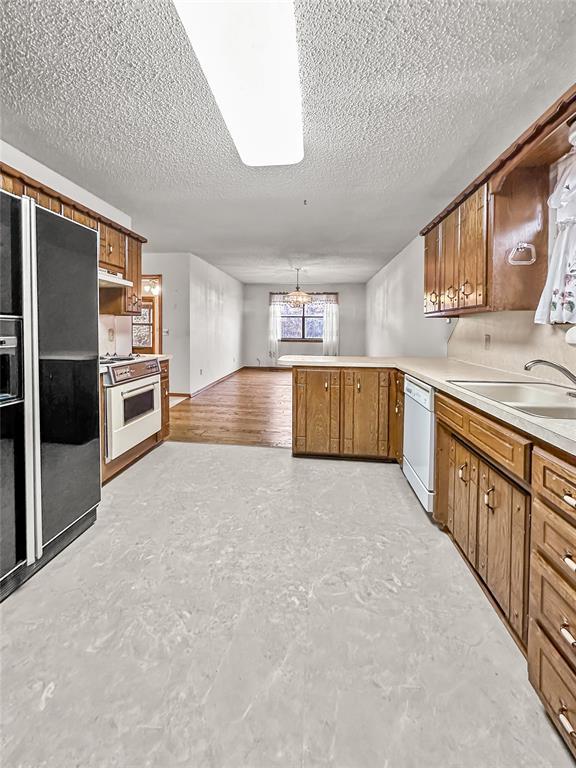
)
(561, 111)
(179, 394)
(67, 201)
(213, 383)
(265, 368)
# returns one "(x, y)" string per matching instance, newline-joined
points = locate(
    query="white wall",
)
(39, 172)
(352, 298)
(201, 319)
(215, 323)
(395, 321)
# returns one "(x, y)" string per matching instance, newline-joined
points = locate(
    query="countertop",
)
(438, 372)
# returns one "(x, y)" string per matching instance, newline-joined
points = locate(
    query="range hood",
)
(108, 280)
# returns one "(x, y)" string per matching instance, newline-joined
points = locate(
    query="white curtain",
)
(274, 329)
(331, 337)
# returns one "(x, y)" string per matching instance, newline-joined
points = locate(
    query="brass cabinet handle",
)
(567, 635)
(461, 471)
(568, 498)
(565, 723)
(326, 386)
(463, 288)
(396, 408)
(570, 562)
(358, 385)
(110, 248)
(453, 297)
(435, 300)
(487, 497)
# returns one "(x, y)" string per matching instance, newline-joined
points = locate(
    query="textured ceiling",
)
(404, 101)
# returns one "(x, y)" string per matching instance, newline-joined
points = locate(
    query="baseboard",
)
(218, 381)
(179, 394)
(265, 368)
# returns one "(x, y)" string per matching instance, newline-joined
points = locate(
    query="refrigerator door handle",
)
(29, 351)
(33, 388)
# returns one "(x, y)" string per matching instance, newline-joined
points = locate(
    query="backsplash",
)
(114, 335)
(514, 339)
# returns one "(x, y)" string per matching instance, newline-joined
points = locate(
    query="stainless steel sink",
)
(551, 401)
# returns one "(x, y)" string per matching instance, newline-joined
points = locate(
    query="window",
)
(304, 323)
(143, 327)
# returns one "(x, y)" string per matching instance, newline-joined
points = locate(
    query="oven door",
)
(133, 413)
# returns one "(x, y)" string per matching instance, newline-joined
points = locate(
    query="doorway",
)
(147, 326)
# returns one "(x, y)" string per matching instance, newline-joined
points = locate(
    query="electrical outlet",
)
(487, 340)
(110, 334)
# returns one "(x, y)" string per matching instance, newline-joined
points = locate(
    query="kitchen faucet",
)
(569, 375)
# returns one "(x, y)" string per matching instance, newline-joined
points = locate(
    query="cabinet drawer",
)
(555, 683)
(555, 538)
(555, 480)
(553, 605)
(507, 448)
(450, 412)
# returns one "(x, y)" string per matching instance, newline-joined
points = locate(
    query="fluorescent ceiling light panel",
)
(248, 53)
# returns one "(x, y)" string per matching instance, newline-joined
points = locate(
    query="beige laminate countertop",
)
(439, 371)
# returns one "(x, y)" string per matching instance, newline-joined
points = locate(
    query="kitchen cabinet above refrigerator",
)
(119, 249)
(488, 250)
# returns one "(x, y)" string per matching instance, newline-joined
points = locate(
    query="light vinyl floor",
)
(234, 607)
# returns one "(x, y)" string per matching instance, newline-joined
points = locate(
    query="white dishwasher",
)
(418, 463)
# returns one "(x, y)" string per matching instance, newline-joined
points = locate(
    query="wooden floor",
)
(252, 407)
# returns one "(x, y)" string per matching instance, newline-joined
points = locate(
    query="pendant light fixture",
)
(298, 297)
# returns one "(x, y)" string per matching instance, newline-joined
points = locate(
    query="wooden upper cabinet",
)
(472, 286)
(432, 245)
(455, 253)
(449, 261)
(494, 235)
(112, 248)
(316, 411)
(365, 412)
(133, 295)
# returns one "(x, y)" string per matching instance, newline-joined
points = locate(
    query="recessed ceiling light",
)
(248, 53)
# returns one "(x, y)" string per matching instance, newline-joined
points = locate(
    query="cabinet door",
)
(502, 511)
(365, 413)
(396, 416)
(112, 248)
(316, 408)
(432, 270)
(449, 242)
(464, 528)
(133, 295)
(472, 250)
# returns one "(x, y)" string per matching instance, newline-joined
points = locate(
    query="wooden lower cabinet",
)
(502, 538)
(365, 413)
(316, 411)
(487, 514)
(396, 416)
(555, 682)
(465, 503)
(342, 412)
